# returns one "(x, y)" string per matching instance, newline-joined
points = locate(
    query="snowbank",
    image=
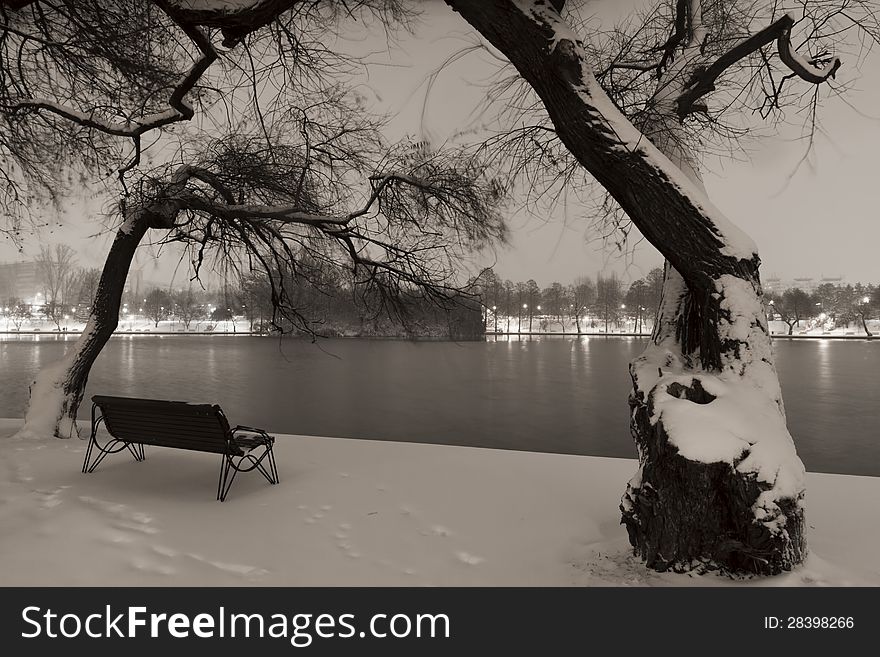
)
(359, 512)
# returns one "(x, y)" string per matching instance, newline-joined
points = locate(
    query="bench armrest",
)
(242, 427)
(250, 442)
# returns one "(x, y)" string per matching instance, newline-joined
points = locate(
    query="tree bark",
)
(58, 390)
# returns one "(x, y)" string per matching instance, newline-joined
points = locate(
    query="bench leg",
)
(273, 468)
(225, 480)
(254, 463)
(111, 447)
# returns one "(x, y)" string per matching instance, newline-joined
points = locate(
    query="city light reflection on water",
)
(558, 394)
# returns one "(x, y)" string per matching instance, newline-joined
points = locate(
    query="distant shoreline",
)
(828, 336)
(30, 333)
(116, 333)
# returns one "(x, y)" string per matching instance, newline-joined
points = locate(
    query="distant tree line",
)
(585, 303)
(323, 302)
(329, 306)
(829, 305)
(605, 300)
(64, 289)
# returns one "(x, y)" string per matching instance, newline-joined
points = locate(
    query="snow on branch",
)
(805, 69)
(660, 200)
(704, 79)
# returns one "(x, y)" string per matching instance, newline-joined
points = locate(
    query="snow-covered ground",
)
(134, 324)
(818, 329)
(359, 512)
(544, 325)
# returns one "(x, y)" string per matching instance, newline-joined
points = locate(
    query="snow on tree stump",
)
(683, 514)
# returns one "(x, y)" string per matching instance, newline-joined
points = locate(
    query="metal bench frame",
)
(239, 453)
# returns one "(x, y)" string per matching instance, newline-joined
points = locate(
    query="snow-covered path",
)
(358, 512)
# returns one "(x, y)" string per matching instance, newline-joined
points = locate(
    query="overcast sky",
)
(820, 220)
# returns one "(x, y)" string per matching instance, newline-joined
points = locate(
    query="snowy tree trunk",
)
(58, 390)
(719, 482)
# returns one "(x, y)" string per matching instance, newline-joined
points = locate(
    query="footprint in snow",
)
(469, 559)
(242, 570)
(149, 567)
(117, 538)
(165, 551)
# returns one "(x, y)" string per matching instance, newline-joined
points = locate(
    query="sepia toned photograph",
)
(474, 293)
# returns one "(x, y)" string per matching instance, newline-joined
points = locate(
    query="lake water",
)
(545, 394)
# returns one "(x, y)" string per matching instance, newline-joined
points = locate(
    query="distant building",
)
(135, 284)
(19, 280)
(778, 285)
(772, 285)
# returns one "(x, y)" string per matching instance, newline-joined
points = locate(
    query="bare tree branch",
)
(780, 31)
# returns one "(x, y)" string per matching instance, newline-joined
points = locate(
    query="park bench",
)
(133, 423)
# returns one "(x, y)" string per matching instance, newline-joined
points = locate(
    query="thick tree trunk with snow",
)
(58, 390)
(719, 482)
(692, 503)
(717, 486)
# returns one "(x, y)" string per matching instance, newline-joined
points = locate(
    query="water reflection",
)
(564, 394)
(823, 361)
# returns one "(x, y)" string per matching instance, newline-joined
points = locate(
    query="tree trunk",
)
(704, 496)
(695, 504)
(58, 390)
(719, 482)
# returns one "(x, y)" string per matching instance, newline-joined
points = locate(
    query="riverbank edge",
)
(775, 336)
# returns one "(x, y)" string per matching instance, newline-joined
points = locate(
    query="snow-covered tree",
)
(286, 166)
(188, 306)
(719, 482)
(58, 277)
(581, 296)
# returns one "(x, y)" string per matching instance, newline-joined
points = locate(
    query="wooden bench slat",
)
(181, 425)
(165, 424)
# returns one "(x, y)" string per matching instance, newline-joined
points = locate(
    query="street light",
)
(495, 313)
